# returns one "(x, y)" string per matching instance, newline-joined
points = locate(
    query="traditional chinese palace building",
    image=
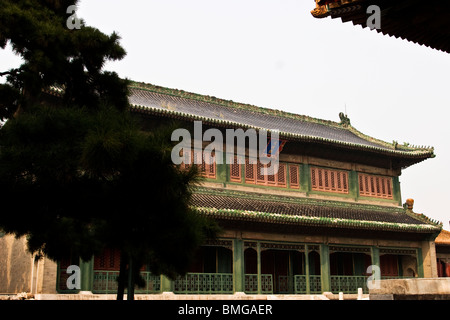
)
(333, 209)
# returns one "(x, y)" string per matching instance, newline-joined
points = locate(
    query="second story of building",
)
(315, 158)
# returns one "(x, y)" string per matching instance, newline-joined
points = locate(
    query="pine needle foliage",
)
(77, 173)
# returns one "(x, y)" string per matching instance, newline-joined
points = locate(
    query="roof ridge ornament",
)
(345, 121)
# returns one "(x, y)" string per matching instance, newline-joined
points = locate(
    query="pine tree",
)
(55, 55)
(76, 170)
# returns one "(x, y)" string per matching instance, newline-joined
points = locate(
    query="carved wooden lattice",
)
(109, 259)
(293, 176)
(235, 171)
(375, 186)
(207, 167)
(329, 180)
(249, 171)
(265, 174)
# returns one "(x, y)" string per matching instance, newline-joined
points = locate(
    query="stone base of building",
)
(412, 289)
(172, 296)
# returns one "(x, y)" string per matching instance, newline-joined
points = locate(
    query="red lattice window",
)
(109, 259)
(329, 180)
(249, 171)
(258, 173)
(281, 175)
(65, 262)
(207, 170)
(294, 176)
(375, 186)
(235, 171)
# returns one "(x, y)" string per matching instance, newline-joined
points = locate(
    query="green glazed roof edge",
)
(313, 221)
(426, 224)
(399, 149)
(229, 103)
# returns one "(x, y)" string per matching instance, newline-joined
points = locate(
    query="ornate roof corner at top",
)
(321, 9)
(409, 209)
(320, 12)
(345, 121)
(325, 8)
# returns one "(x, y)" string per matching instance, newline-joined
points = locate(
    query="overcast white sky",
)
(274, 54)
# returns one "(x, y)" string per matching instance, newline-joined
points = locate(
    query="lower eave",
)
(280, 219)
(243, 207)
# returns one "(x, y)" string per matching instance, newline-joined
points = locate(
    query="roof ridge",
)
(422, 217)
(394, 145)
(344, 125)
(230, 103)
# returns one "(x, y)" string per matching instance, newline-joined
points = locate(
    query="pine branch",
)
(11, 72)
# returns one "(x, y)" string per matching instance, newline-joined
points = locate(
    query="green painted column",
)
(305, 177)
(291, 281)
(353, 184)
(325, 267)
(308, 286)
(238, 265)
(396, 192)
(166, 284)
(243, 171)
(222, 173)
(375, 256)
(419, 263)
(87, 274)
(258, 265)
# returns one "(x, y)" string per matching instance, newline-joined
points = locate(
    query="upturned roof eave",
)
(416, 22)
(214, 210)
(416, 154)
(274, 218)
(385, 148)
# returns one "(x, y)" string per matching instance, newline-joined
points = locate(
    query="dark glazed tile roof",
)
(223, 204)
(246, 117)
(183, 105)
(422, 22)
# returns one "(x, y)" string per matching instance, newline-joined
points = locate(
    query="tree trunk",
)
(130, 289)
(122, 276)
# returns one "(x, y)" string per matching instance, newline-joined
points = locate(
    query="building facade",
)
(443, 253)
(330, 214)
